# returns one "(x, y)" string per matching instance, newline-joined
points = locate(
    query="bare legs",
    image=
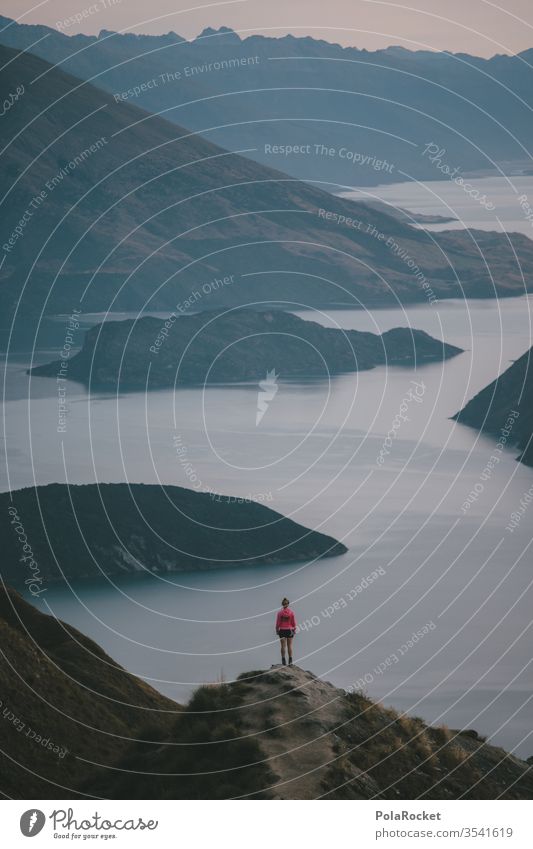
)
(286, 645)
(289, 648)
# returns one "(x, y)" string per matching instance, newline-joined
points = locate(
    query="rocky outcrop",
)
(312, 740)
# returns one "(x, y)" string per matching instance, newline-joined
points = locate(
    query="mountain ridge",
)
(431, 96)
(109, 207)
(312, 740)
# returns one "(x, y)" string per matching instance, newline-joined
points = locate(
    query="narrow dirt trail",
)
(294, 715)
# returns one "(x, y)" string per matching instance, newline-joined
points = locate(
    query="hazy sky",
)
(474, 26)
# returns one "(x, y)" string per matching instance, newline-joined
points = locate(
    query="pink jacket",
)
(285, 620)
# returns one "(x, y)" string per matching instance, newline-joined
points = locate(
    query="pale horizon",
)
(481, 28)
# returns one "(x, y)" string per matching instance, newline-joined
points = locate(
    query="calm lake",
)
(313, 457)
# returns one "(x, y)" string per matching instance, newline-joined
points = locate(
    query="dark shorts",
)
(285, 632)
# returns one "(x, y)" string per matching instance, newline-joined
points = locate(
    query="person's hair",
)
(283, 600)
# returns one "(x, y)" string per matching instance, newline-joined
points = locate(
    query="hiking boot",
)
(290, 661)
(284, 662)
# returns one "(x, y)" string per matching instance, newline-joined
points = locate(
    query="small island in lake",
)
(235, 346)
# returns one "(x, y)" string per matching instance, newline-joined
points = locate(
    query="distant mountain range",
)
(259, 93)
(126, 528)
(105, 207)
(504, 408)
(233, 346)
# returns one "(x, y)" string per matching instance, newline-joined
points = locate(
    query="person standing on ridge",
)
(285, 629)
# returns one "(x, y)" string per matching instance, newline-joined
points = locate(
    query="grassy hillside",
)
(76, 724)
(289, 735)
(64, 705)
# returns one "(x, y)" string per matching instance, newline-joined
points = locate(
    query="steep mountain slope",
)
(314, 741)
(65, 705)
(240, 345)
(504, 408)
(134, 528)
(104, 207)
(258, 92)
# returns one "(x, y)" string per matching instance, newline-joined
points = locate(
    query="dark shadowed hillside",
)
(64, 704)
(506, 404)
